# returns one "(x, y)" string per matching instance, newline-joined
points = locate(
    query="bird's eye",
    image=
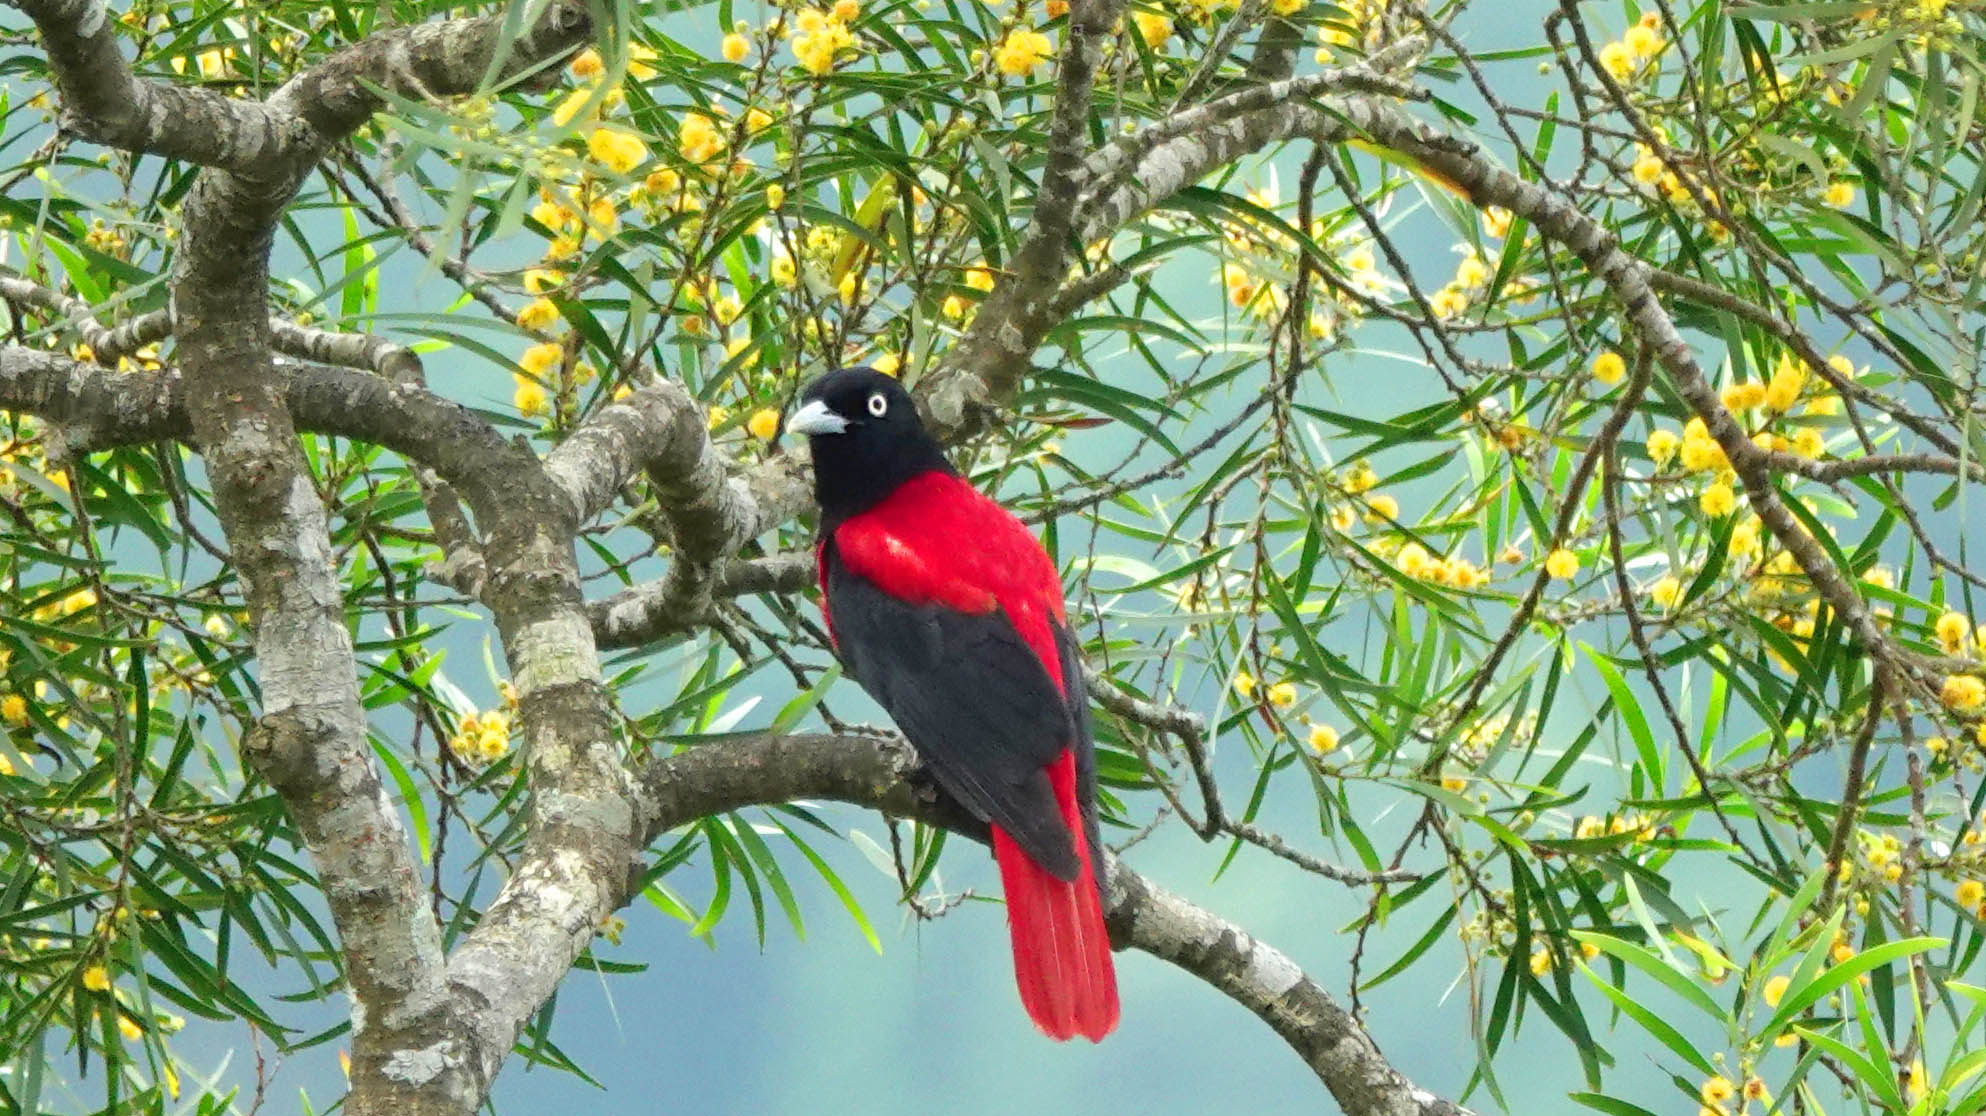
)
(878, 406)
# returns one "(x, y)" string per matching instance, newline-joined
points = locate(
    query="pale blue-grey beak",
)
(815, 418)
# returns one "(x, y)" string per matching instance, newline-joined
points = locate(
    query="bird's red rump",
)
(1062, 961)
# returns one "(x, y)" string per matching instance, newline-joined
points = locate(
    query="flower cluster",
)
(821, 38)
(1634, 55)
(482, 738)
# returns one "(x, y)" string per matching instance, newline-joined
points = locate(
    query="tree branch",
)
(871, 771)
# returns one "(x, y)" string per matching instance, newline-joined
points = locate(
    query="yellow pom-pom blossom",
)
(1645, 42)
(1153, 28)
(1662, 446)
(1244, 684)
(96, 978)
(1952, 629)
(886, 363)
(1775, 989)
(775, 196)
(1323, 738)
(529, 398)
(1562, 564)
(1963, 692)
(14, 709)
(1717, 1090)
(1282, 694)
(539, 314)
(1021, 51)
(540, 359)
(586, 65)
(1608, 367)
(1970, 894)
(763, 424)
(1718, 500)
(1666, 591)
(1840, 195)
(616, 150)
(1783, 389)
(1744, 396)
(736, 48)
(1382, 507)
(1618, 60)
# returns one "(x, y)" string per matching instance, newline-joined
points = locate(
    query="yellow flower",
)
(1775, 989)
(1496, 222)
(1358, 260)
(1645, 42)
(1952, 629)
(1662, 446)
(717, 416)
(1666, 591)
(1323, 739)
(96, 978)
(1963, 692)
(736, 47)
(538, 280)
(1561, 564)
(538, 315)
(1021, 52)
(1448, 302)
(6, 765)
(1608, 367)
(1970, 893)
(1153, 28)
(1783, 390)
(775, 196)
(529, 398)
(1472, 271)
(783, 272)
(1840, 195)
(1282, 695)
(1413, 560)
(1383, 507)
(1744, 396)
(78, 601)
(1717, 1090)
(763, 424)
(1244, 684)
(1618, 60)
(1648, 168)
(1718, 500)
(846, 11)
(1541, 962)
(603, 216)
(129, 1028)
(616, 150)
(586, 65)
(886, 363)
(542, 358)
(1755, 1090)
(1808, 443)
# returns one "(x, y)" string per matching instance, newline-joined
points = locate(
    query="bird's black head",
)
(866, 438)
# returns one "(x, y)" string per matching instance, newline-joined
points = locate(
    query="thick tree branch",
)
(104, 102)
(646, 613)
(871, 771)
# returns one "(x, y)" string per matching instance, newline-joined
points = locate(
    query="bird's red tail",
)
(1061, 951)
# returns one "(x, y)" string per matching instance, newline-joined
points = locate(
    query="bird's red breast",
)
(938, 540)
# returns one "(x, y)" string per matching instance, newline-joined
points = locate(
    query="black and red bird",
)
(949, 613)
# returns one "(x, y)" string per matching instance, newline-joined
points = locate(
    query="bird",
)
(948, 612)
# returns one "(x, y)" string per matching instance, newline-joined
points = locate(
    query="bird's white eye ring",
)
(878, 405)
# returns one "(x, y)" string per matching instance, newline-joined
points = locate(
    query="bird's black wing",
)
(973, 699)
